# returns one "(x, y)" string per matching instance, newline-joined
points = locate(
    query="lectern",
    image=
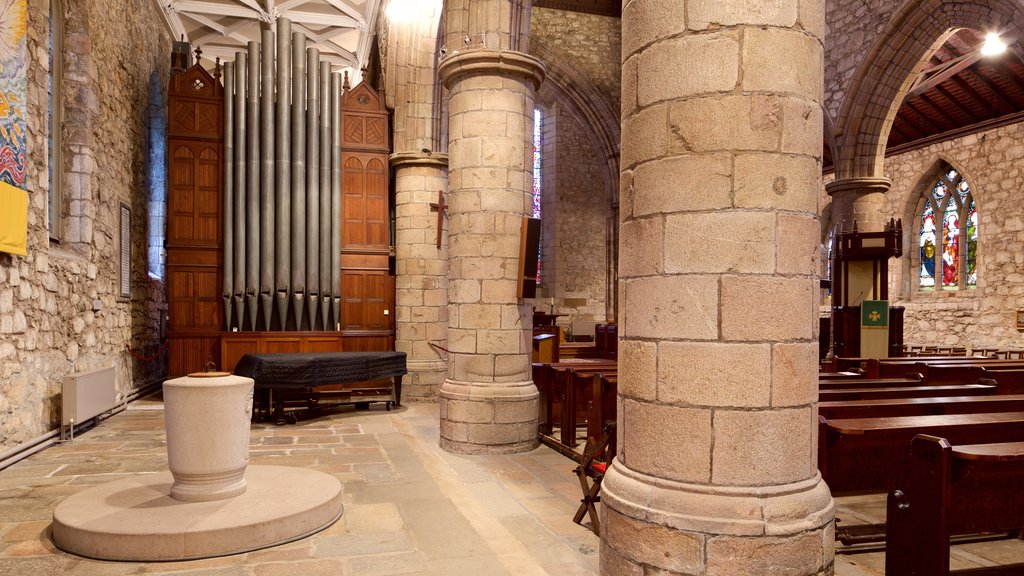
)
(860, 279)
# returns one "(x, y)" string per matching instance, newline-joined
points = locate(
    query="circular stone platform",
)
(136, 518)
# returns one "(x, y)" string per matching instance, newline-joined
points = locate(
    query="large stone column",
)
(861, 200)
(421, 281)
(488, 401)
(721, 146)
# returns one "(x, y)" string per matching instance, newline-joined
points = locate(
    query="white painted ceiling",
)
(341, 29)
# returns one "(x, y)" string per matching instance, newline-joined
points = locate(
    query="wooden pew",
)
(905, 392)
(949, 490)
(872, 454)
(921, 406)
(552, 392)
(575, 384)
(870, 383)
(602, 410)
(839, 375)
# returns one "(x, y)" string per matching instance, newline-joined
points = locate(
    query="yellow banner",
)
(13, 220)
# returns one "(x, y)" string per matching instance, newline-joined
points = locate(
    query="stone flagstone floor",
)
(410, 508)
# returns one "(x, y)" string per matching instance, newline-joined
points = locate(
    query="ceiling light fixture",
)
(993, 45)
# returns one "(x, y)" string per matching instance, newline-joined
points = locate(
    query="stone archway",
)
(887, 73)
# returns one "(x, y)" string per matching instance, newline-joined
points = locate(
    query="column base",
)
(714, 530)
(424, 379)
(489, 418)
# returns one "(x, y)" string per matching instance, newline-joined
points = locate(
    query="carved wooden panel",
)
(194, 302)
(194, 199)
(367, 288)
(234, 345)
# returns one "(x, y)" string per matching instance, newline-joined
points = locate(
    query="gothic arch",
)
(887, 73)
(566, 84)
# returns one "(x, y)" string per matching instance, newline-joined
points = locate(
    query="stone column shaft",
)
(488, 401)
(719, 242)
(861, 200)
(421, 281)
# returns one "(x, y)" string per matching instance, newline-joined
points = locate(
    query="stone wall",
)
(576, 206)
(59, 307)
(577, 245)
(993, 164)
(593, 42)
(851, 29)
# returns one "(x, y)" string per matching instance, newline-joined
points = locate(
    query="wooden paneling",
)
(367, 287)
(194, 303)
(192, 353)
(234, 345)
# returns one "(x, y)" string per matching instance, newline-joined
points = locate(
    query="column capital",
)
(417, 159)
(476, 62)
(869, 185)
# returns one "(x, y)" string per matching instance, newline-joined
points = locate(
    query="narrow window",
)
(536, 192)
(54, 118)
(948, 235)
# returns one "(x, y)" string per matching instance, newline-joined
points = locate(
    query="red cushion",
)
(599, 467)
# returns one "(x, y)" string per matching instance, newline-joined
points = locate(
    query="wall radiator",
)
(85, 395)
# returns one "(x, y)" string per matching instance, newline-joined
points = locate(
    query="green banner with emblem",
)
(874, 314)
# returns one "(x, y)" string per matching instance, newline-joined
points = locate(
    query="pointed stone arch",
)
(887, 73)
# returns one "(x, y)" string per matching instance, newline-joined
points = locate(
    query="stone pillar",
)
(421, 281)
(488, 401)
(861, 200)
(717, 470)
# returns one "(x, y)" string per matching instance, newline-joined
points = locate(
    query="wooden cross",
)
(439, 207)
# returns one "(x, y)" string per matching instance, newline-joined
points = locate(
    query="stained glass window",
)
(949, 221)
(537, 153)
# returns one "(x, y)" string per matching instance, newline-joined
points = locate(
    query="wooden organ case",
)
(196, 330)
(194, 227)
(367, 283)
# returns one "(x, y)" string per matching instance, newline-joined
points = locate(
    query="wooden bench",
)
(846, 384)
(872, 454)
(949, 490)
(905, 392)
(921, 406)
(575, 383)
(550, 381)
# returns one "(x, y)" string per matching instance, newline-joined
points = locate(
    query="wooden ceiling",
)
(601, 7)
(959, 92)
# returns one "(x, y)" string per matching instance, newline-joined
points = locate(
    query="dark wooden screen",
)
(367, 286)
(194, 221)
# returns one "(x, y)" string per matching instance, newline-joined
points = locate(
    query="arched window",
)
(538, 149)
(948, 240)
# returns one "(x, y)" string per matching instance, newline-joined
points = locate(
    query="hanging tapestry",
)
(13, 81)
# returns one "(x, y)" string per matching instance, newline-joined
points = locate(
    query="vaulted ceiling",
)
(340, 29)
(959, 92)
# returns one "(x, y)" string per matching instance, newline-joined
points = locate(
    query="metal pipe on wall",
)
(325, 194)
(298, 188)
(282, 244)
(267, 176)
(252, 186)
(336, 199)
(228, 191)
(313, 184)
(239, 194)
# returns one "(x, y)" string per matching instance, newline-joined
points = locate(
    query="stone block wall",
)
(575, 204)
(593, 42)
(992, 161)
(851, 28)
(59, 307)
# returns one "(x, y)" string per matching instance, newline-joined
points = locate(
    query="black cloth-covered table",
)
(284, 372)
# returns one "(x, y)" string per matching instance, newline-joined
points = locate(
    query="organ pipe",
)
(336, 198)
(325, 193)
(313, 184)
(298, 176)
(282, 246)
(239, 200)
(252, 185)
(229, 151)
(267, 176)
(282, 187)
